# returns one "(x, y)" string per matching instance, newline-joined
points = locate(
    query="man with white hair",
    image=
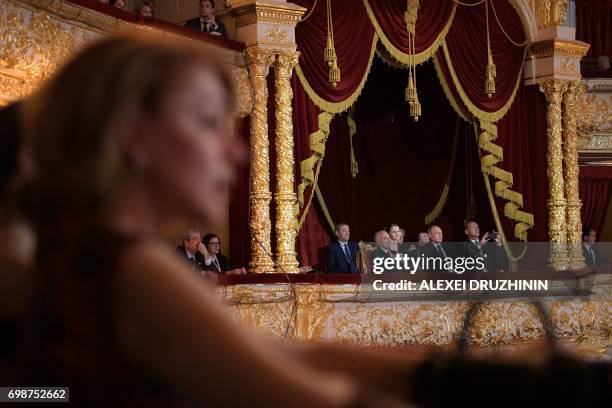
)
(193, 250)
(383, 248)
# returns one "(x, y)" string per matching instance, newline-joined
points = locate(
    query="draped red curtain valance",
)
(354, 43)
(465, 57)
(433, 21)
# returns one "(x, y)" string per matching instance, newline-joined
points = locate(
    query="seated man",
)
(435, 253)
(193, 250)
(207, 22)
(589, 249)
(475, 247)
(383, 247)
(342, 253)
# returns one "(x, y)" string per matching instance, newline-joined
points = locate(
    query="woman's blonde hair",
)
(75, 124)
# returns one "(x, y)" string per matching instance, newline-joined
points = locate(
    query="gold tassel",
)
(491, 74)
(330, 52)
(415, 110)
(411, 94)
(334, 74)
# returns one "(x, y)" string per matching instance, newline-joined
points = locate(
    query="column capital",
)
(284, 64)
(553, 89)
(259, 60)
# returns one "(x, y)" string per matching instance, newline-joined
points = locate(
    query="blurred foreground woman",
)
(133, 133)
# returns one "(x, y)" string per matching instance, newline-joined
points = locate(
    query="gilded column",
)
(285, 197)
(572, 190)
(260, 196)
(556, 204)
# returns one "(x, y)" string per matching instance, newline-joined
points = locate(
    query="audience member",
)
(146, 10)
(434, 249)
(342, 253)
(217, 262)
(589, 248)
(120, 4)
(383, 246)
(397, 239)
(207, 22)
(422, 239)
(194, 251)
(477, 247)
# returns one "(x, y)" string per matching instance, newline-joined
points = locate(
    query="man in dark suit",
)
(342, 253)
(193, 250)
(589, 249)
(207, 22)
(383, 250)
(476, 247)
(435, 254)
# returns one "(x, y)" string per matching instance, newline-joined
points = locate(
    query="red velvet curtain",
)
(239, 237)
(595, 195)
(353, 36)
(594, 25)
(403, 164)
(467, 48)
(523, 139)
(432, 17)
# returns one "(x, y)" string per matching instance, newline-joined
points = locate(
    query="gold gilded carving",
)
(556, 204)
(267, 13)
(568, 67)
(277, 35)
(32, 46)
(550, 13)
(327, 313)
(594, 120)
(243, 93)
(555, 47)
(285, 197)
(260, 196)
(572, 189)
(528, 18)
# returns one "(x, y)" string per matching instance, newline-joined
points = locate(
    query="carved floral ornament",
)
(594, 116)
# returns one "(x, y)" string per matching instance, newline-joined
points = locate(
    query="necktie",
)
(347, 253)
(592, 254)
(441, 251)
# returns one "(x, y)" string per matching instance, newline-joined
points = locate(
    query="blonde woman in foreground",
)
(131, 134)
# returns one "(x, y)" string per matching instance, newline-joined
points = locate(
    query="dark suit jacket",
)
(429, 251)
(493, 254)
(224, 263)
(379, 253)
(588, 259)
(199, 258)
(195, 24)
(336, 261)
